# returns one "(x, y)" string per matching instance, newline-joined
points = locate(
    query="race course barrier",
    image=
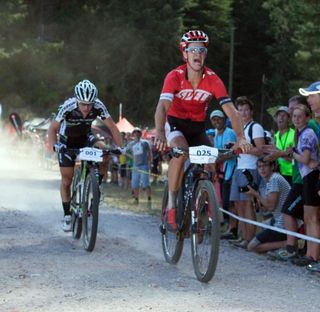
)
(270, 227)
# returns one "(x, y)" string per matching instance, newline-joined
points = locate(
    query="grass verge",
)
(122, 199)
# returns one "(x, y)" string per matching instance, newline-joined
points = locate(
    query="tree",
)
(307, 40)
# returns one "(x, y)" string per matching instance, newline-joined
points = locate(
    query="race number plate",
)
(203, 154)
(90, 154)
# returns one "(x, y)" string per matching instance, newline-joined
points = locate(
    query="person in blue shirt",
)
(224, 137)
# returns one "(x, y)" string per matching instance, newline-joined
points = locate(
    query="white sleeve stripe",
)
(67, 106)
(166, 96)
(100, 105)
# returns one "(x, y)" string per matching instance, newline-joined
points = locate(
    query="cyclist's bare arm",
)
(52, 134)
(237, 126)
(257, 150)
(114, 130)
(160, 120)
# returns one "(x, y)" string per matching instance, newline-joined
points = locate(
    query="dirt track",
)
(44, 269)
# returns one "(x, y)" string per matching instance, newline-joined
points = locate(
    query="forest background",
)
(265, 49)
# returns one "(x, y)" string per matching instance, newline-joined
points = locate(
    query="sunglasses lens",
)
(197, 50)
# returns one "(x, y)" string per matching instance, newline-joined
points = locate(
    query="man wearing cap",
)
(142, 157)
(313, 94)
(284, 140)
(225, 167)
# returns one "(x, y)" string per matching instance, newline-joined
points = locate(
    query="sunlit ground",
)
(115, 196)
(21, 161)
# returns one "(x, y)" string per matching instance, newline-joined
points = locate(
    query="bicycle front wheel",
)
(172, 242)
(76, 220)
(90, 215)
(205, 231)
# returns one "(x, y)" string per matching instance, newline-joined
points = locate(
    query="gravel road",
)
(44, 269)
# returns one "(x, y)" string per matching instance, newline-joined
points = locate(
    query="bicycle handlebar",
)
(105, 152)
(180, 151)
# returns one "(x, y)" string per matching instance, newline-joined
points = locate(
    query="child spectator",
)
(306, 151)
(273, 191)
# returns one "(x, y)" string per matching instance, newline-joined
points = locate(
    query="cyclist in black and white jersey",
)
(72, 129)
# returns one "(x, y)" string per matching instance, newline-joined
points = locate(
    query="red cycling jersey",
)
(188, 103)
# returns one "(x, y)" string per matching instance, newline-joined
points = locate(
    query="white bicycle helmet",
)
(85, 91)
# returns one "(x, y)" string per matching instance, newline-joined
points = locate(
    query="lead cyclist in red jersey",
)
(181, 110)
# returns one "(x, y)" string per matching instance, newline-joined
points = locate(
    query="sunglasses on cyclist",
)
(85, 103)
(196, 50)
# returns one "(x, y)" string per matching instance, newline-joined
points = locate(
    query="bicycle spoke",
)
(205, 238)
(91, 211)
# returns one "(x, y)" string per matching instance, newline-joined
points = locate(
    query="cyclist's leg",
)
(175, 174)
(66, 181)
(66, 163)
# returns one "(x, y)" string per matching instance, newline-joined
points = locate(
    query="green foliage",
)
(284, 18)
(307, 40)
(127, 47)
(212, 16)
(251, 39)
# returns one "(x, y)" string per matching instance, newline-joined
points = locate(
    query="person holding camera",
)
(270, 197)
(242, 201)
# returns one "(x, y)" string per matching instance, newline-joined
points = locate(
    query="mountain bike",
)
(85, 194)
(197, 213)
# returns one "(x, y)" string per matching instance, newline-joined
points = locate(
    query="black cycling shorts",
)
(293, 205)
(67, 159)
(193, 131)
(310, 189)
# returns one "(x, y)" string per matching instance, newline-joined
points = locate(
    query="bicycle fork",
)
(79, 193)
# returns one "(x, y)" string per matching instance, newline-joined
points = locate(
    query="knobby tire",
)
(91, 198)
(206, 232)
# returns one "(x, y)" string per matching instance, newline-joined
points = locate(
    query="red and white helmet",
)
(193, 36)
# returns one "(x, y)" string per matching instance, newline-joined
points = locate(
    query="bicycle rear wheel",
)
(205, 232)
(76, 220)
(90, 215)
(172, 242)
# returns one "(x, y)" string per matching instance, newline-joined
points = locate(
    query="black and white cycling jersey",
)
(75, 129)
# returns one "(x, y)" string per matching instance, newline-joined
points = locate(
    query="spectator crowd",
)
(276, 183)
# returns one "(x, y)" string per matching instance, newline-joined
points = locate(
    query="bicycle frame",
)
(189, 185)
(197, 214)
(79, 188)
